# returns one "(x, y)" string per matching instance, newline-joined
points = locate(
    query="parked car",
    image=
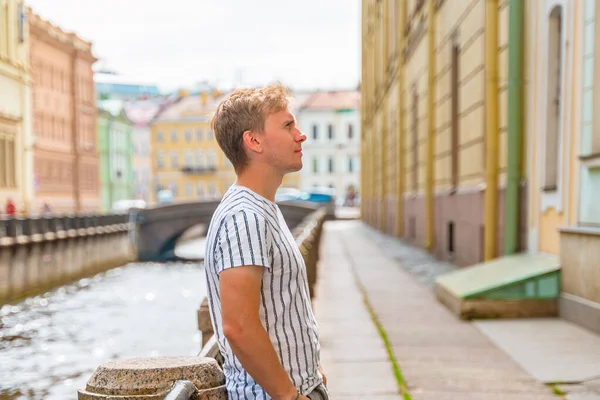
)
(321, 196)
(288, 194)
(164, 197)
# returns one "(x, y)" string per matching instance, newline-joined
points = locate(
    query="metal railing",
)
(182, 390)
(13, 227)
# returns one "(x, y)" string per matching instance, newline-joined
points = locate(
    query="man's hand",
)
(323, 373)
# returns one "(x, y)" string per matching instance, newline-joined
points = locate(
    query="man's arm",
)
(240, 302)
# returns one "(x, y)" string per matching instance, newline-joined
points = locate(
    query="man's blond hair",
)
(243, 110)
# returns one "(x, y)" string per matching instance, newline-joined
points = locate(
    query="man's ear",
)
(252, 141)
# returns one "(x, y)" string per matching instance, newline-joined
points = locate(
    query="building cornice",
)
(10, 118)
(47, 32)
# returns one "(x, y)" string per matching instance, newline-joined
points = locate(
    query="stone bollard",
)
(204, 322)
(153, 378)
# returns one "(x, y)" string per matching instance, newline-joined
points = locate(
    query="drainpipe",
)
(429, 184)
(363, 116)
(400, 144)
(515, 124)
(383, 226)
(491, 113)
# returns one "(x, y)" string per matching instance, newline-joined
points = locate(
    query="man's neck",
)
(262, 181)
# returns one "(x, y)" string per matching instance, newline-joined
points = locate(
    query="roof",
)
(141, 112)
(333, 100)
(298, 99)
(190, 107)
(102, 77)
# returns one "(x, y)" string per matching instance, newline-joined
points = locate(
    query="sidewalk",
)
(440, 357)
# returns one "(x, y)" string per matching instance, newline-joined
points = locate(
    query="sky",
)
(305, 44)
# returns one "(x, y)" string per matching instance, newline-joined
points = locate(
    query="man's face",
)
(282, 142)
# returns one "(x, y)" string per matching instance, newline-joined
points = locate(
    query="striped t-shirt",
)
(248, 229)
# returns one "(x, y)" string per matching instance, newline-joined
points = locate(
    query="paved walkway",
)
(440, 356)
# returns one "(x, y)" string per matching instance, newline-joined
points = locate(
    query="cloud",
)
(307, 43)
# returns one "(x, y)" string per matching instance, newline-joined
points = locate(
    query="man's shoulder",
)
(242, 203)
(228, 212)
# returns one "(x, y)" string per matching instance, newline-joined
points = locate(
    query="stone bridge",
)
(154, 232)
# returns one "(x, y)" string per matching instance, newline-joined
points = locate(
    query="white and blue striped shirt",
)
(248, 229)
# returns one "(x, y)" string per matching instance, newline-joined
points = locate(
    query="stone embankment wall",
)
(37, 254)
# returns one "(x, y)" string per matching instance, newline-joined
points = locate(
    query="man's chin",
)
(294, 168)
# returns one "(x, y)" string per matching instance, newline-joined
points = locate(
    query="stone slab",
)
(549, 349)
(502, 272)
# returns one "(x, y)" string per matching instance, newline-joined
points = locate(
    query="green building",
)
(116, 154)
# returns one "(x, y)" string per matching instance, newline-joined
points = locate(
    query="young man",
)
(255, 274)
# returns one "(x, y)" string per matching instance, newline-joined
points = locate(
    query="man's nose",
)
(301, 136)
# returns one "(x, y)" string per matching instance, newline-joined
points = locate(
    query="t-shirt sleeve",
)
(243, 240)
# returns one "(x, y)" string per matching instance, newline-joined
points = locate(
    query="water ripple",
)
(51, 344)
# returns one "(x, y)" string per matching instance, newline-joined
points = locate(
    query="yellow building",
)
(186, 158)
(434, 123)
(16, 179)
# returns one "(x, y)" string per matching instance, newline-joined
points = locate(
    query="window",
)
(330, 131)
(21, 16)
(212, 189)
(211, 159)
(350, 164)
(188, 189)
(160, 159)
(188, 135)
(7, 162)
(200, 190)
(315, 163)
(174, 160)
(189, 158)
(199, 134)
(554, 101)
(173, 188)
(199, 161)
(160, 137)
(173, 136)
(330, 162)
(315, 132)
(211, 135)
(350, 131)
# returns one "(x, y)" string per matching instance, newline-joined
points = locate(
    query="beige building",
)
(66, 162)
(15, 129)
(430, 128)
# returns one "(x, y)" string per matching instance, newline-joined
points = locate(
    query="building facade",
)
(16, 181)
(115, 146)
(573, 46)
(186, 158)
(114, 86)
(66, 163)
(331, 122)
(141, 113)
(436, 160)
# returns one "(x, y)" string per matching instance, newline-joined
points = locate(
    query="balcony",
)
(198, 170)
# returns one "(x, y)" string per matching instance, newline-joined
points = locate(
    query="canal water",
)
(51, 344)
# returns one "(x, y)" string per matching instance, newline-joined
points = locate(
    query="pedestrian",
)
(11, 209)
(255, 274)
(46, 210)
